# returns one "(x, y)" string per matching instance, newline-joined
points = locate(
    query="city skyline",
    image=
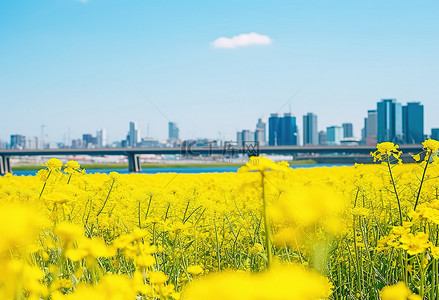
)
(202, 65)
(390, 121)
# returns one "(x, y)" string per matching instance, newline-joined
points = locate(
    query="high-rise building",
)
(101, 138)
(261, 132)
(435, 134)
(282, 130)
(239, 140)
(88, 141)
(348, 130)
(413, 123)
(288, 130)
(322, 137)
(245, 137)
(133, 135)
(274, 129)
(334, 135)
(310, 135)
(389, 121)
(173, 131)
(370, 128)
(18, 141)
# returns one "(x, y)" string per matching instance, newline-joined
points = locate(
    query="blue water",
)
(186, 170)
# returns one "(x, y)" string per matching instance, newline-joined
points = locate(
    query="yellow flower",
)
(195, 270)
(385, 150)
(71, 166)
(431, 146)
(53, 164)
(398, 291)
(415, 244)
(157, 277)
(278, 283)
(262, 164)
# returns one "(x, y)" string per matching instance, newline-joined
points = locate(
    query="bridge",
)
(133, 154)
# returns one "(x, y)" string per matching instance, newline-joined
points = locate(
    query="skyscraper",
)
(389, 121)
(288, 131)
(261, 132)
(282, 130)
(18, 141)
(101, 138)
(413, 123)
(348, 130)
(371, 128)
(273, 130)
(173, 131)
(334, 135)
(133, 135)
(435, 134)
(310, 133)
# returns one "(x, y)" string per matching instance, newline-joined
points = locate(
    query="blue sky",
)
(80, 66)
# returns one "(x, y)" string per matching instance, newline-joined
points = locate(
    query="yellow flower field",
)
(265, 232)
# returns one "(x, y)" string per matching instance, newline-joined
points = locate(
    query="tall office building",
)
(245, 137)
(274, 130)
(389, 121)
(173, 131)
(101, 138)
(288, 130)
(282, 130)
(261, 132)
(18, 141)
(370, 128)
(334, 135)
(133, 135)
(310, 133)
(435, 134)
(413, 123)
(87, 140)
(322, 137)
(348, 130)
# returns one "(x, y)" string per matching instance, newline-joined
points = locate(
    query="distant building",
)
(310, 135)
(389, 121)
(322, 137)
(413, 123)
(334, 135)
(101, 138)
(76, 143)
(261, 132)
(282, 130)
(274, 129)
(133, 136)
(33, 143)
(245, 137)
(173, 131)
(348, 130)
(18, 141)
(435, 134)
(149, 143)
(88, 141)
(370, 128)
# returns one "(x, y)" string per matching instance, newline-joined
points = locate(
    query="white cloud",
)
(241, 40)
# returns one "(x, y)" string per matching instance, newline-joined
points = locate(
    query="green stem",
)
(106, 199)
(266, 224)
(44, 186)
(422, 180)
(396, 192)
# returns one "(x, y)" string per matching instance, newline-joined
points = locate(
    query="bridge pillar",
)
(5, 165)
(134, 163)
